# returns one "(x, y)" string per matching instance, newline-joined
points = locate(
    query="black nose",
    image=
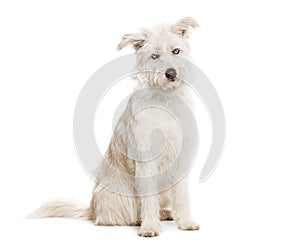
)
(171, 73)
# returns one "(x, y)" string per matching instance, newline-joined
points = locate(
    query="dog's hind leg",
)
(165, 205)
(166, 214)
(109, 208)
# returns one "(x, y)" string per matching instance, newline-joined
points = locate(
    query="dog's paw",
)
(188, 225)
(166, 214)
(148, 232)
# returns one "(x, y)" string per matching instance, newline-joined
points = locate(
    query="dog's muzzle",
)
(171, 74)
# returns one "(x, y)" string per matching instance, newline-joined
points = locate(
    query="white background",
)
(249, 49)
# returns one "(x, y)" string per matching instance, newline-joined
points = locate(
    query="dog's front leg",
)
(181, 206)
(149, 204)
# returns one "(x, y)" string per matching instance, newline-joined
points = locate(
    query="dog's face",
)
(159, 53)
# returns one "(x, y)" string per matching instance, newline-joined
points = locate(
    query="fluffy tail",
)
(61, 209)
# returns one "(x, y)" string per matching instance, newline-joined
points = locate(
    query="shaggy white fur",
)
(129, 189)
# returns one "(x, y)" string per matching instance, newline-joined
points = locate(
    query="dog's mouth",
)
(160, 79)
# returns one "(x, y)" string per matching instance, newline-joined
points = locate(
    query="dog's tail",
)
(61, 209)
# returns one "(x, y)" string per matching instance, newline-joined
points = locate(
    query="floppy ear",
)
(182, 26)
(137, 40)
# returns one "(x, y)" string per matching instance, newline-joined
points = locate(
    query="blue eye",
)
(154, 56)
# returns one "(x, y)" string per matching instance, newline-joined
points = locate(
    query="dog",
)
(132, 189)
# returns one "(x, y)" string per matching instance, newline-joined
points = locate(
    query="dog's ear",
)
(137, 40)
(182, 26)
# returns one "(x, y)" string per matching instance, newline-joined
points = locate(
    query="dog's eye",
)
(154, 56)
(176, 51)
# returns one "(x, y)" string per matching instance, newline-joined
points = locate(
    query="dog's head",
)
(159, 53)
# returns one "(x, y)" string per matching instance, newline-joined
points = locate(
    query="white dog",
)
(134, 188)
